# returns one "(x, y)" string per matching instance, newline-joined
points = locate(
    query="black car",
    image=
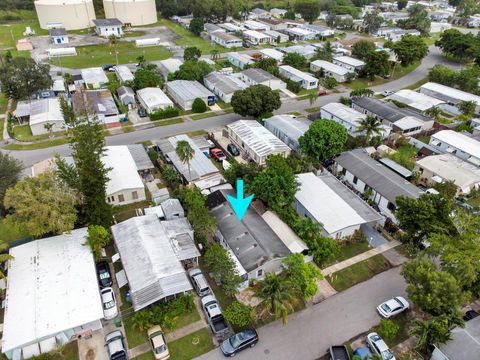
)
(232, 149)
(470, 314)
(142, 112)
(239, 341)
(104, 275)
(107, 67)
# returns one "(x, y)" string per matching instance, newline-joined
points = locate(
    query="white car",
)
(110, 310)
(386, 93)
(393, 307)
(157, 340)
(378, 346)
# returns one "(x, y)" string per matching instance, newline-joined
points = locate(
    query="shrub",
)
(166, 113)
(238, 314)
(293, 86)
(152, 154)
(329, 82)
(388, 329)
(199, 106)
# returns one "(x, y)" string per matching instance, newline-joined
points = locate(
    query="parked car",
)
(387, 93)
(232, 149)
(214, 316)
(393, 307)
(116, 346)
(110, 310)
(378, 346)
(159, 345)
(246, 45)
(363, 353)
(470, 314)
(321, 91)
(104, 275)
(142, 112)
(338, 352)
(107, 67)
(239, 342)
(199, 282)
(217, 154)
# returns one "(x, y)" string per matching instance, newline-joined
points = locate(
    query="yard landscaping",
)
(202, 116)
(404, 156)
(37, 145)
(364, 270)
(98, 55)
(351, 249)
(191, 346)
(145, 356)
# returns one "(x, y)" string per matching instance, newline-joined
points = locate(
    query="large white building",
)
(153, 99)
(72, 14)
(306, 80)
(134, 12)
(462, 146)
(52, 295)
(255, 141)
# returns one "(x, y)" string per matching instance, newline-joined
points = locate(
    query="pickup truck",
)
(338, 352)
(214, 316)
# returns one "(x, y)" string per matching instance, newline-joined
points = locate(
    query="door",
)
(59, 41)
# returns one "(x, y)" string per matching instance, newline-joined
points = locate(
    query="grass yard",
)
(197, 133)
(168, 122)
(473, 200)
(312, 110)
(404, 321)
(419, 83)
(12, 31)
(343, 279)
(134, 336)
(98, 55)
(133, 33)
(125, 212)
(404, 156)
(202, 116)
(69, 352)
(186, 318)
(38, 145)
(399, 72)
(9, 232)
(191, 346)
(24, 133)
(295, 113)
(3, 103)
(147, 356)
(348, 250)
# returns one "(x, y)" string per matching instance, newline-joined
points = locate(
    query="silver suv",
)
(199, 282)
(116, 346)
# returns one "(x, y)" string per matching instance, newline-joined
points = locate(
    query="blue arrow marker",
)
(240, 204)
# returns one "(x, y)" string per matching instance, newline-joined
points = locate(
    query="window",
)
(134, 195)
(121, 198)
(355, 180)
(259, 272)
(391, 206)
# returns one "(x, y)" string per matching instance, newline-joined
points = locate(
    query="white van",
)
(199, 282)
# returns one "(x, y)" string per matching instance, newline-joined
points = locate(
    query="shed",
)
(172, 209)
(59, 35)
(126, 95)
(107, 27)
(124, 74)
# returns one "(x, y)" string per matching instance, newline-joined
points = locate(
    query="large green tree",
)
(323, 139)
(295, 60)
(255, 101)
(42, 205)
(362, 48)
(222, 267)
(372, 22)
(418, 18)
(308, 9)
(409, 48)
(97, 238)
(463, 46)
(21, 77)
(197, 213)
(10, 171)
(371, 126)
(302, 276)
(376, 63)
(193, 70)
(148, 76)
(196, 26)
(191, 53)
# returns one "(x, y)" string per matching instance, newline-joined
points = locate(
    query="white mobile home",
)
(462, 146)
(349, 63)
(255, 76)
(288, 129)
(226, 40)
(330, 70)
(307, 80)
(240, 60)
(256, 37)
(153, 99)
(94, 78)
(124, 74)
(169, 66)
(452, 97)
(223, 86)
(184, 93)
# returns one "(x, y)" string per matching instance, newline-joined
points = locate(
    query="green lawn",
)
(348, 250)
(343, 279)
(473, 200)
(3, 103)
(202, 116)
(186, 319)
(98, 55)
(147, 356)
(417, 84)
(404, 156)
(38, 145)
(125, 212)
(12, 31)
(10, 233)
(404, 321)
(24, 133)
(69, 352)
(168, 122)
(191, 346)
(312, 110)
(197, 133)
(133, 33)
(134, 336)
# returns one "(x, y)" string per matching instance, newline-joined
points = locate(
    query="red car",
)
(218, 154)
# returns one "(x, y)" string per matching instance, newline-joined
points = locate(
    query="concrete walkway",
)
(356, 259)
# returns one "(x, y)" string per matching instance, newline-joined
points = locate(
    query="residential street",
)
(311, 332)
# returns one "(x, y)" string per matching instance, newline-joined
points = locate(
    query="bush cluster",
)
(166, 113)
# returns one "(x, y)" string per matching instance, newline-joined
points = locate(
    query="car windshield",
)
(236, 340)
(104, 275)
(387, 354)
(400, 304)
(109, 304)
(160, 349)
(386, 308)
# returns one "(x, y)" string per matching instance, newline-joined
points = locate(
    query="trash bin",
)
(118, 322)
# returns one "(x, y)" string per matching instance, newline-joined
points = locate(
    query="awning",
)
(437, 179)
(435, 142)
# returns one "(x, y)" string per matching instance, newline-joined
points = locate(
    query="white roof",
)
(284, 232)
(94, 75)
(255, 34)
(170, 65)
(460, 141)
(300, 74)
(261, 141)
(124, 73)
(272, 53)
(58, 85)
(415, 100)
(300, 31)
(451, 92)
(328, 66)
(45, 110)
(344, 113)
(349, 61)
(123, 174)
(154, 97)
(243, 58)
(451, 168)
(408, 122)
(52, 286)
(325, 205)
(255, 25)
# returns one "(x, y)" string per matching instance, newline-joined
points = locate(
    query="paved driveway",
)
(310, 332)
(374, 238)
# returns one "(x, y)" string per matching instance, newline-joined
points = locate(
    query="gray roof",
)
(125, 90)
(151, 265)
(107, 22)
(252, 241)
(180, 233)
(98, 101)
(465, 343)
(209, 27)
(377, 176)
(385, 110)
(225, 83)
(403, 171)
(140, 156)
(23, 108)
(259, 75)
(188, 90)
(172, 209)
(58, 32)
(288, 125)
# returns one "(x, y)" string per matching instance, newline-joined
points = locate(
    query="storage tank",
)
(73, 14)
(134, 12)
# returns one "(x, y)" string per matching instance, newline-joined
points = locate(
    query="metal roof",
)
(188, 90)
(172, 208)
(259, 75)
(168, 66)
(298, 74)
(465, 342)
(288, 125)
(140, 156)
(261, 141)
(58, 32)
(124, 73)
(377, 176)
(242, 58)
(226, 37)
(52, 287)
(154, 97)
(305, 50)
(331, 203)
(344, 113)
(349, 61)
(125, 90)
(94, 75)
(256, 34)
(180, 234)
(446, 93)
(123, 173)
(227, 84)
(252, 241)
(107, 22)
(100, 102)
(415, 99)
(399, 169)
(458, 140)
(331, 67)
(151, 265)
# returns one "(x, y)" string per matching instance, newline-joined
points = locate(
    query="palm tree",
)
(277, 296)
(370, 125)
(185, 154)
(112, 41)
(3, 257)
(214, 54)
(49, 128)
(312, 98)
(434, 112)
(435, 331)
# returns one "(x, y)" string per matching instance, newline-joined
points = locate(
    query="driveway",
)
(374, 238)
(310, 332)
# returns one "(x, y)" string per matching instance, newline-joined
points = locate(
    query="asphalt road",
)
(312, 331)
(434, 57)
